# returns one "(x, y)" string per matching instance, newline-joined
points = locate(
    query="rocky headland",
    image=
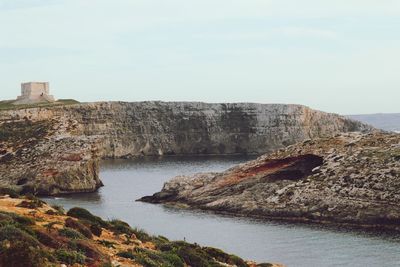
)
(52, 150)
(34, 234)
(47, 157)
(348, 179)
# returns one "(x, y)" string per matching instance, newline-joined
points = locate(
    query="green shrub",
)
(150, 258)
(12, 233)
(70, 257)
(142, 235)
(221, 256)
(71, 223)
(60, 210)
(70, 233)
(159, 240)
(84, 214)
(173, 259)
(88, 249)
(20, 219)
(194, 257)
(120, 227)
(20, 253)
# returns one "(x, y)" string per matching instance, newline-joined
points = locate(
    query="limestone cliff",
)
(347, 179)
(43, 157)
(55, 150)
(157, 128)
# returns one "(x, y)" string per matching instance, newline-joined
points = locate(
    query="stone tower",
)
(34, 92)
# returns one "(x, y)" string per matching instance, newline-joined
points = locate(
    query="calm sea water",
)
(263, 241)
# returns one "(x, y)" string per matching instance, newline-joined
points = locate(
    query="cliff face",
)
(157, 128)
(44, 157)
(348, 179)
(55, 150)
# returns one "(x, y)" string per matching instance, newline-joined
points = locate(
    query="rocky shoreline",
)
(351, 179)
(56, 150)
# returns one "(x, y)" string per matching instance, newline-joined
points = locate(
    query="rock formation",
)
(45, 157)
(55, 150)
(168, 128)
(351, 178)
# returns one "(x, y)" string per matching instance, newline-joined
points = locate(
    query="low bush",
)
(142, 235)
(120, 227)
(12, 233)
(70, 257)
(71, 223)
(84, 214)
(221, 256)
(20, 253)
(59, 209)
(88, 249)
(195, 257)
(70, 233)
(20, 219)
(150, 258)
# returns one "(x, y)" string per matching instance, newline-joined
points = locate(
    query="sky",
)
(340, 56)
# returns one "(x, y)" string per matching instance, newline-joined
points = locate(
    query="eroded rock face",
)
(44, 158)
(352, 178)
(55, 150)
(168, 128)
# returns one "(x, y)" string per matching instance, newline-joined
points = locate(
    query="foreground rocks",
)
(34, 234)
(349, 179)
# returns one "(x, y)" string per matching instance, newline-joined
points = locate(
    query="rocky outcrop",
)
(351, 178)
(44, 158)
(55, 150)
(168, 128)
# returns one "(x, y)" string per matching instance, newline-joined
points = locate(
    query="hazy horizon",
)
(335, 56)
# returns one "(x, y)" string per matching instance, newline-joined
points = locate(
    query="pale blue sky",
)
(339, 56)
